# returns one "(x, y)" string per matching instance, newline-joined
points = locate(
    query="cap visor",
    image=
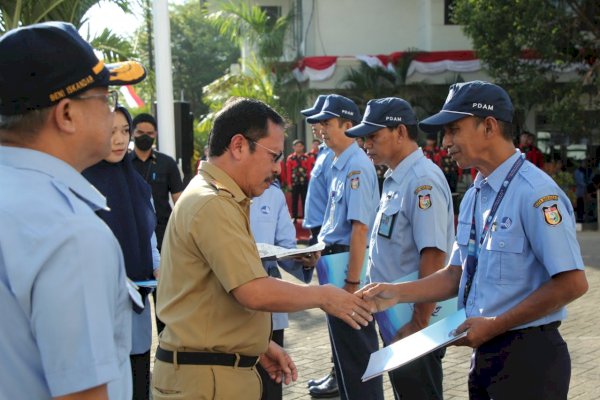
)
(125, 73)
(362, 130)
(437, 121)
(309, 112)
(319, 117)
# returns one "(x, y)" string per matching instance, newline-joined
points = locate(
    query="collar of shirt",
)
(398, 174)
(340, 162)
(224, 180)
(55, 168)
(497, 177)
(152, 155)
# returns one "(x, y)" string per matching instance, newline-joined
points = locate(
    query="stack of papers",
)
(272, 252)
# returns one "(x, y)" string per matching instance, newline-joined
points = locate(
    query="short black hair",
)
(240, 115)
(144, 117)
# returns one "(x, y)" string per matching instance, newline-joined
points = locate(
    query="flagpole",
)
(164, 79)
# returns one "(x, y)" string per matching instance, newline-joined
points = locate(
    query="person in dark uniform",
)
(158, 169)
(516, 262)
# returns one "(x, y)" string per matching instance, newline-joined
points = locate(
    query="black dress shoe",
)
(317, 382)
(325, 390)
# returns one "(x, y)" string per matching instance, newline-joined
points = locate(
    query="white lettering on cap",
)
(393, 119)
(482, 106)
(347, 112)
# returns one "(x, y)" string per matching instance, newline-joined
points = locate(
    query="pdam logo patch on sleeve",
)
(552, 215)
(424, 201)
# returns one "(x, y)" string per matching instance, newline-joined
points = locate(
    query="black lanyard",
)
(473, 250)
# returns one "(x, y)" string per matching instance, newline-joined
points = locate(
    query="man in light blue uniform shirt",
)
(314, 210)
(270, 223)
(63, 285)
(414, 227)
(316, 196)
(515, 271)
(349, 215)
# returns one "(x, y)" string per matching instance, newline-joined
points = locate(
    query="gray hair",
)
(20, 127)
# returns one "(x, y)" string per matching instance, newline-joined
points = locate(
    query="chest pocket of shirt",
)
(462, 238)
(506, 263)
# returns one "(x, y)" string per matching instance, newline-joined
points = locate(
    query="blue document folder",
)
(334, 267)
(392, 319)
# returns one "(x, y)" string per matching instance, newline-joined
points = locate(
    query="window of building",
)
(448, 8)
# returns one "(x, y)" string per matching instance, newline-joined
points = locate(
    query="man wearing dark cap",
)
(352, 201)
(413, 231)
(516, 262)
(62, 278)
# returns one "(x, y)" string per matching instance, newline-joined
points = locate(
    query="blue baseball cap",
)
(476, 98)
(316, 108)
(44, 63)
(383, 113)
(336, 106)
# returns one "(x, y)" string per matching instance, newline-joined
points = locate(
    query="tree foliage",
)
(199, 55)
(526, 44)
(16, 13)
(265, 76)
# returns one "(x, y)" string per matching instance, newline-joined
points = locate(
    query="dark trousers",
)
(351, 350)
(271, 390)
(298, 193)
(314, 235)
(420, 379)
(525, 364)
(140, 372)
(159, 324)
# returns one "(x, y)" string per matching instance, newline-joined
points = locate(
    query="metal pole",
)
(164, 78)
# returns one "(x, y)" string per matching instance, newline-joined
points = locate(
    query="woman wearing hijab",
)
(132, 220)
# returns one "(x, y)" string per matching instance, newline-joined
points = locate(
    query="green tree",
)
(16, 13)
(551, 35)
(265, 76)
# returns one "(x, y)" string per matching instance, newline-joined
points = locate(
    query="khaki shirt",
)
(208, 251)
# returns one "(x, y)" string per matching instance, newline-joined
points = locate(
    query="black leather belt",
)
(334, 249)
(547, 327)
(201, 358)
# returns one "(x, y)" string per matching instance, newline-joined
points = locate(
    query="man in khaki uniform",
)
(214, 295)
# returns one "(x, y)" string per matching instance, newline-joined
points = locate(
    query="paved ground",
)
(308, 343)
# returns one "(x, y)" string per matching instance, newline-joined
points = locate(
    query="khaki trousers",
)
(204, 382)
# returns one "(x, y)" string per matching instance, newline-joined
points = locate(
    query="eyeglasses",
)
(277, 157)
(111, 99)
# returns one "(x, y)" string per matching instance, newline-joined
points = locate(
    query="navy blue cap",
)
(476, 98)
(43, 63)
(316, 108)
(336, 106)
(383, 113)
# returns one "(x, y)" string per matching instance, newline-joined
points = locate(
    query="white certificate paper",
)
(416, 345)
(272, 252)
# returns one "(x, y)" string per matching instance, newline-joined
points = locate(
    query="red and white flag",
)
(132, 100)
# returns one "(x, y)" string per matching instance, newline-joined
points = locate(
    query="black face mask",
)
(143, 142)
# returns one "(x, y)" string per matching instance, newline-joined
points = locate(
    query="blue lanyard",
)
(473, 248)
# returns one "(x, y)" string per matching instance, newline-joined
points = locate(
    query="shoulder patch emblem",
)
(541, 200)
(422, 187)
(552, 215)
(355, 183)
(352, 173)
(424, 201)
